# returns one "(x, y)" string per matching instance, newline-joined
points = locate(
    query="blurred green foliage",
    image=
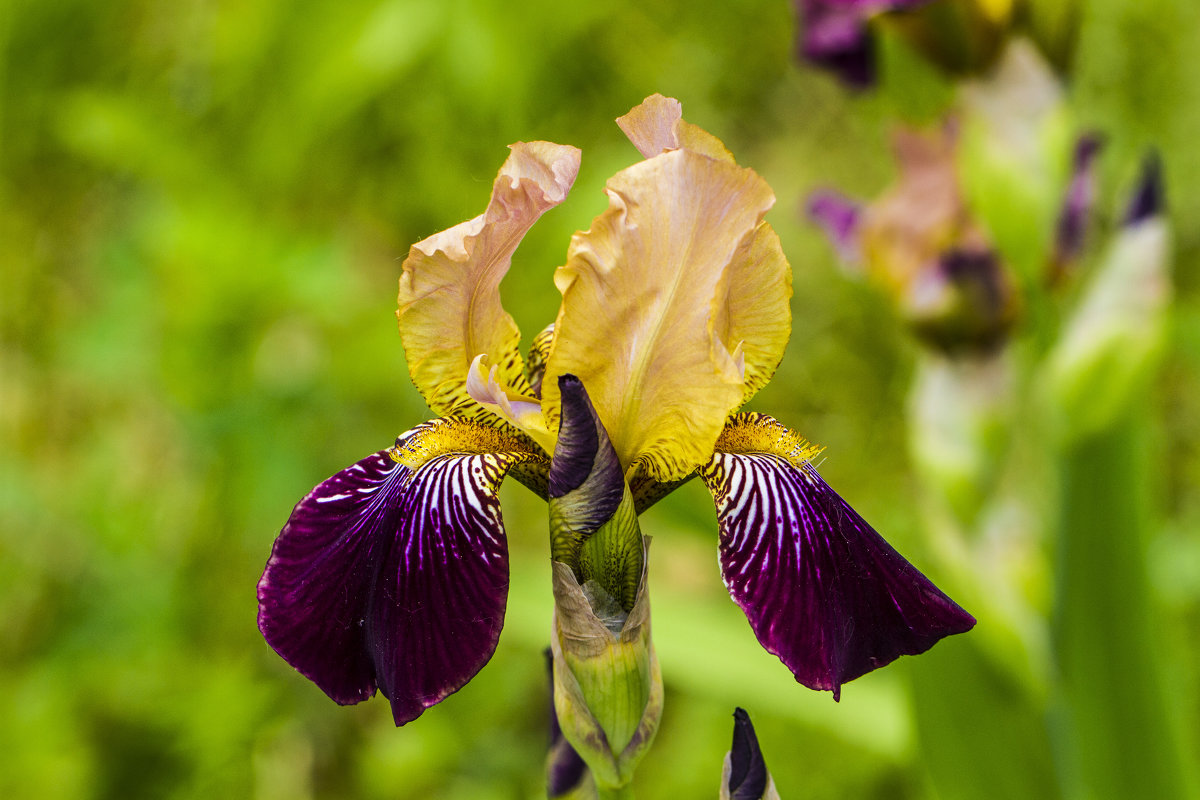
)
(203, 208)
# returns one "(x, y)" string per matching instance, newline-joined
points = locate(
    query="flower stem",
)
(1118, 737)
(615, 792)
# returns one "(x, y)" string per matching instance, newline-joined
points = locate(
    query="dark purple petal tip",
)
(747, 770)
(391, 578)
(840, 218)
(821, 589)
(1148, 198)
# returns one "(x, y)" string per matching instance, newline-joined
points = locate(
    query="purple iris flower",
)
(836, 35)
(392, 575)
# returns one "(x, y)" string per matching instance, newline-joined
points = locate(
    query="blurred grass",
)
(203, 207)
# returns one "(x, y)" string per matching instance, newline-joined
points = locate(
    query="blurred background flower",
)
(203, 208)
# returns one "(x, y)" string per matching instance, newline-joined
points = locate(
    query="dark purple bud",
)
(840, 218)
(586, 468)
(1080, 198)
(1147, 199)
(747, 770)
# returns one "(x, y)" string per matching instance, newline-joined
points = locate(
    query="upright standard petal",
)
(644, 294)
(394, 572)
(821, 589)
(449, 303)
(754, 310)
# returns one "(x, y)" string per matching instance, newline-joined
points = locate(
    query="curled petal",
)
(821, 589)
(657, 126)
(394, 572)
(522, 411)
(449, 303)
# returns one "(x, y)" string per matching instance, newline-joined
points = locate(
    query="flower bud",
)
(1115, 338)
(745, 776)
(608, 691)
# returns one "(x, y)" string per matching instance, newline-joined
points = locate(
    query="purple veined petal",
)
(841, 219)
(394, 576)
(821, 589)
(438, 600)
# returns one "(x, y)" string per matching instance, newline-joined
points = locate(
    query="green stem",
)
(1118, 738)
(615, 793)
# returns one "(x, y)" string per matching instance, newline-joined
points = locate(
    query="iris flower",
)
(392, 575)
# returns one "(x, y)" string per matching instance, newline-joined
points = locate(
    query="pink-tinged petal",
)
(821, 589)
(656, 126)
(449, 301)
(394, 572)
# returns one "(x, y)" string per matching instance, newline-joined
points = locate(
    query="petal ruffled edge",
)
(449, 300)
(821, 589)
(394, 572)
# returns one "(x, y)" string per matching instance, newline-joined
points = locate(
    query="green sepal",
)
(608, 691)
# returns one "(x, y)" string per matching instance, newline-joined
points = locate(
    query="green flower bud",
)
(608, 691)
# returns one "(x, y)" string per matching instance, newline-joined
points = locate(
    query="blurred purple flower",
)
(836, 35)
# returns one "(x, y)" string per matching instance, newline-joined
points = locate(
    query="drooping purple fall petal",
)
(392, 577)
(821, 589)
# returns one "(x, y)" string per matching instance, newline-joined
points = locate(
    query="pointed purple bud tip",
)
(586, 482)
(1148, 199)
(578, 439)
(1079, 199)
(840, 218)
(747, 770)
(583, 453)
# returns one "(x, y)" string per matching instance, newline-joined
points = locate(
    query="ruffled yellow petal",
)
(449, 304)
(648, 306)
(757, 309)
(756, 317)
(657, 126)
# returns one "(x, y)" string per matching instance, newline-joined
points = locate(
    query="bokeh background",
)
(203, 210)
